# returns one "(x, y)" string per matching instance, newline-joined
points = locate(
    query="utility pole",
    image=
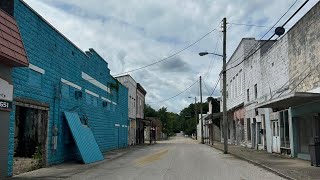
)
(202, 140)
(196, 115)
(212, 125)
(225, 121)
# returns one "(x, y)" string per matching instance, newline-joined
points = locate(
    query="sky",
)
(133, 33)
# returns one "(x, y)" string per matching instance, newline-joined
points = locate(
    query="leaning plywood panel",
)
(86, 143)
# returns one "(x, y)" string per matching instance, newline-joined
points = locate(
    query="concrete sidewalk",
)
(286, 167)
(68, 169)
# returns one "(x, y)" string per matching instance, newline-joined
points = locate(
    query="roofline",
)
(139, 87)
(42, 18)
(125, 76)
(252, 38)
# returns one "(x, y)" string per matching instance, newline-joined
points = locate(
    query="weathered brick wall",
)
(274, 70)
(59, 58)
(304, 52)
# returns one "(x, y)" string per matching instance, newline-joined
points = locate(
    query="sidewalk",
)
(286, 167)
(68, 169)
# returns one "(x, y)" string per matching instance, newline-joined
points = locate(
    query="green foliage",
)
(37, 156)
(185, 121)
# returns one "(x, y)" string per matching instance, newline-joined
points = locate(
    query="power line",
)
(176, 94)
(256, 44)
(216, 85)
(250, 25)
(168, 57)
(205, 74)
(211, 65)
(244, 59)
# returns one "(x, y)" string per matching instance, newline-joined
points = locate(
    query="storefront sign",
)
(6, 90)
(6, 93)
(6, 105)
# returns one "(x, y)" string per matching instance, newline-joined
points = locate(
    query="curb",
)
(258, 164)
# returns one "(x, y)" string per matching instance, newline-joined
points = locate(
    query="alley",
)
(178, 158)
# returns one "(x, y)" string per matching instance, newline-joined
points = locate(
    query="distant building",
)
(141, 93)
(131, 84)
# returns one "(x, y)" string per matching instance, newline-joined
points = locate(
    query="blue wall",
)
(49, 50)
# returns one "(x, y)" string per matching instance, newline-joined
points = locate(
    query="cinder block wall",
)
(59, 58)
(304, 52)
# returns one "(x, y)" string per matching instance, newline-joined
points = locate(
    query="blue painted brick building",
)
(63, 78)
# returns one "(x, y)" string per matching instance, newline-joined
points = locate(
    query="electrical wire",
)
(168, 57)
(205, 74)
(176, 94)
(251, 25)
(256, 45)
(215, 86)
(247, 57)
(211, 64)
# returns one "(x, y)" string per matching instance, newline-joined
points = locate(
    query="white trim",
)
(70, 84)
(315, 90)
(117, 125)
(92, 93)
(105, 99)
(36, 68)
(95, 82)
(114, 103)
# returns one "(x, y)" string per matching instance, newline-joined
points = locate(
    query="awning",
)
(290, 100)
(214, 115)
(83, 136)
(12, 52)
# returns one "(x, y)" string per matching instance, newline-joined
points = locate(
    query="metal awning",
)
(290, 100)
(214, 116)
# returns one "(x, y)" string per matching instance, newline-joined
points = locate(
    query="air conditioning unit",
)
(78, 94)
(104, 103)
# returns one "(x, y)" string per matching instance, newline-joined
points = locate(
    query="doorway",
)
(30, 139)
(275, 136)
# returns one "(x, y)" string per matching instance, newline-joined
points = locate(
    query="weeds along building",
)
(60, 78)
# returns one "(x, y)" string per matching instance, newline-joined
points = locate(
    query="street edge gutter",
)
(258, 164)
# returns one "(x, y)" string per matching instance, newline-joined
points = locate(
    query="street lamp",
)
(206, 53)
(195, 114)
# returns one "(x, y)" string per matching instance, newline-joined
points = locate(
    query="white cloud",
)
(133, 33)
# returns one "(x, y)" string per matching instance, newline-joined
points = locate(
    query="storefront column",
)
(291, 132)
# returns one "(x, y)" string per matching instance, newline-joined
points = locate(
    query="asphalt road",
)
(175, 159)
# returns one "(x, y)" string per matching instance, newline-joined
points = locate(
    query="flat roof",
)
(290, 100)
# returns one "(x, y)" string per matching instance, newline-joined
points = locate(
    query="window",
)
(255, 91)
(240, 82)
(231, 89)
(248, 98)
(248, 129)
(236, 85)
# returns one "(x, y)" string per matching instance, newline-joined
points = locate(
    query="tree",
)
(149, 111)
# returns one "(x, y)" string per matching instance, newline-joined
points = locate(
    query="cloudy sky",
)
(133, 33)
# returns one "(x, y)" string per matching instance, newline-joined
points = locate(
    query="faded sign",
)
(6, 90)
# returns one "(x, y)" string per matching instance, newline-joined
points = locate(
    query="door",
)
(275, 136)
